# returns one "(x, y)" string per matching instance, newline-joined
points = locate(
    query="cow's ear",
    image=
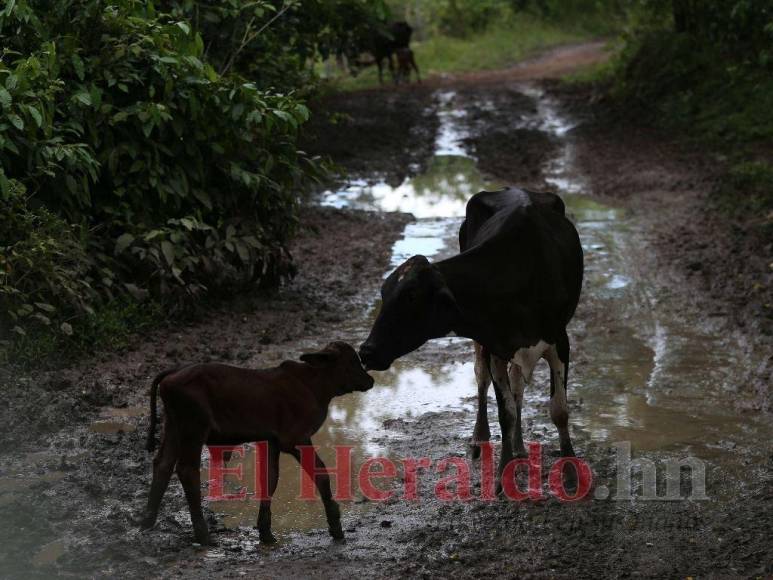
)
(322, 358)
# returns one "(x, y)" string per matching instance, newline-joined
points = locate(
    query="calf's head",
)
(342, 366)
(416, 305)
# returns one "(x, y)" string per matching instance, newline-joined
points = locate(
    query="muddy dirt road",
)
(657, 377)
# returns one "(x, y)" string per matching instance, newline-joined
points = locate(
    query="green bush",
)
(686, 82)
(156, 149)
(45, 273)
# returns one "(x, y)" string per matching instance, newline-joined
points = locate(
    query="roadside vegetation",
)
(705, 70)
(149, 158)
(453, 36)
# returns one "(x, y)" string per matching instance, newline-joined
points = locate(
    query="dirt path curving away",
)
(658, 363)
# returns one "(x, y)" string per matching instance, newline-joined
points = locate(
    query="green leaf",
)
(123, 242)
(66, 328)
(44, 319)
(243, 252)
(77, 64)
(137, 292)
(184, 27)
(83, 97)
(5, 186)
(35, 115)
(45, 307)
(168, 249)
(203, 197)
(5, 98)
(16, 121)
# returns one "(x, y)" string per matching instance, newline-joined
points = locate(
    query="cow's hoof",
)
(267, 538)
(207, 542)
(201, 534)
(473, 450)
(336, 533)
(145, 522)
(204, 540)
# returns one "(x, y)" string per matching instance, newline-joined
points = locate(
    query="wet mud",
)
(653, 379)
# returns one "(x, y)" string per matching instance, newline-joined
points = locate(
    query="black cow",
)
(513, 289)
(385, 43)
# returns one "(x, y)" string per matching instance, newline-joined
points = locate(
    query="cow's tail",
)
(150, 445)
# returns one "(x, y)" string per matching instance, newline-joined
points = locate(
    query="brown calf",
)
(406, 62)
(215, 404)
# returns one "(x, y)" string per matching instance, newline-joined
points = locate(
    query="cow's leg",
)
(188, 465)
(557, 357)
(515, 376)
(380, 65)
(507, 413)
(481, 432)
(321, 479)
(392, 70)
(264, 513)
(163, 465)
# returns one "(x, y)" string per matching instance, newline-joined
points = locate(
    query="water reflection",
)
(442, 191)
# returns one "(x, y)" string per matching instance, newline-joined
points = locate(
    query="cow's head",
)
(416, 305)
(340, 361)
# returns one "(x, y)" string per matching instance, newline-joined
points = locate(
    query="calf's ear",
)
(323, 358)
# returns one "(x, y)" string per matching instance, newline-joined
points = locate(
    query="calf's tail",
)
(150, 445)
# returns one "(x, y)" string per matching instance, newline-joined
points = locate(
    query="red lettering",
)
(366, 475)
(218, 471)
(584, 478)
(342, 472)
(533, 466)
(460, 480)
(411, 468)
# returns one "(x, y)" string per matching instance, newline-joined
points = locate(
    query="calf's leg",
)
(188, 470)
(264, 514)
(322, 481)
(163, 465)
(481, 433)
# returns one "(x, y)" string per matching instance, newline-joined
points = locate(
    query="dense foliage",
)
(463, 18)
(702, 66)
(704, 69)
(151, 150)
